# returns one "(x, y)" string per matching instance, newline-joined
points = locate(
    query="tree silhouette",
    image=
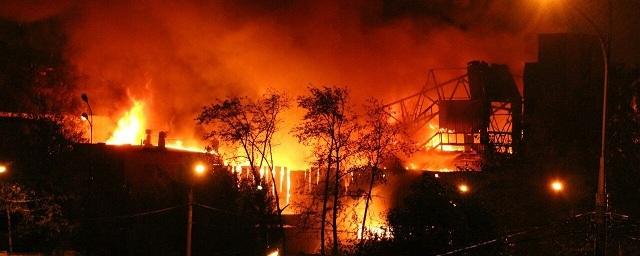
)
(250, 125)
(330, 127)
(379, 141)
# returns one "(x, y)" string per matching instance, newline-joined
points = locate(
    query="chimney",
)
(162, 136)
(147, 139)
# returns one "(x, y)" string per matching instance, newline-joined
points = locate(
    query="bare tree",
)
(250, 125)
(266, 116)
(379, 141)
(231, 123)
(329, 127)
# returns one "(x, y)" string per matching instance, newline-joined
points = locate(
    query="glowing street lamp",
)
(276, 252)
(463, 188)
(199, 169)
(4, 169)
(86, 117)
(556, 186)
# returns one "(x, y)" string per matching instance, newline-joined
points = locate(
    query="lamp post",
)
(198, 170)
(89, 117)
(4, 169)
(601, 194)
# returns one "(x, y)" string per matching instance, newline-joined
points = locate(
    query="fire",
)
(130, 126)
(130, 130)
(376, 225)
(178, 144)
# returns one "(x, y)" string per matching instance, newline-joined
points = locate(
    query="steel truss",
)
(417, 114)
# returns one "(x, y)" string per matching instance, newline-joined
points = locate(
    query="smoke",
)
(32, 10)
(178, 56)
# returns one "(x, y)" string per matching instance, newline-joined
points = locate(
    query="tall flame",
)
(130, 130)
(130, 126)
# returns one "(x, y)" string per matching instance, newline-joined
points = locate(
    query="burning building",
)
(469, 115)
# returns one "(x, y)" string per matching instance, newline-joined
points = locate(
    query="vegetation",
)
(249, 125)
(330, 127)
(379, 141)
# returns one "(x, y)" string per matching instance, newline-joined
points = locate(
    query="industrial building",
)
(563, 104)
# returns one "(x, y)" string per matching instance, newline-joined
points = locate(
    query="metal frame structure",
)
(500, 129)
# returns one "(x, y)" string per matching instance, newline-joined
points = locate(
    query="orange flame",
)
(130, 130)
(130, 126)
(180, 146)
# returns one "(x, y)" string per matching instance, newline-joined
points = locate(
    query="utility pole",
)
(198, 170)
(189, 220)
(89, 117)
(9, 229)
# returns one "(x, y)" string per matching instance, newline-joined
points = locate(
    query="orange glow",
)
(199, 169)
(179, 146)
(452, 148)
(432, 160)
(3, 169)
(557, 186)
(130, 130)
(463, 188)
(288, 186)
(274, 253)
(259, 52)
(376, 231)
(376, 225)
(130, 126)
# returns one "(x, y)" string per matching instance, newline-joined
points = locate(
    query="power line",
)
(216, 209)
(489, 242)
(505, 237)
(138, 214)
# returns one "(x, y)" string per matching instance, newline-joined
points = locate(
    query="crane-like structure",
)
(474, 110)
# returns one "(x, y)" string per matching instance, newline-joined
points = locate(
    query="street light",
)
(89, 117)
(463, 188)
(4, 169)
(601, 194)
(198, 169)
(86, 117)
(275, 252)
(556, 186)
